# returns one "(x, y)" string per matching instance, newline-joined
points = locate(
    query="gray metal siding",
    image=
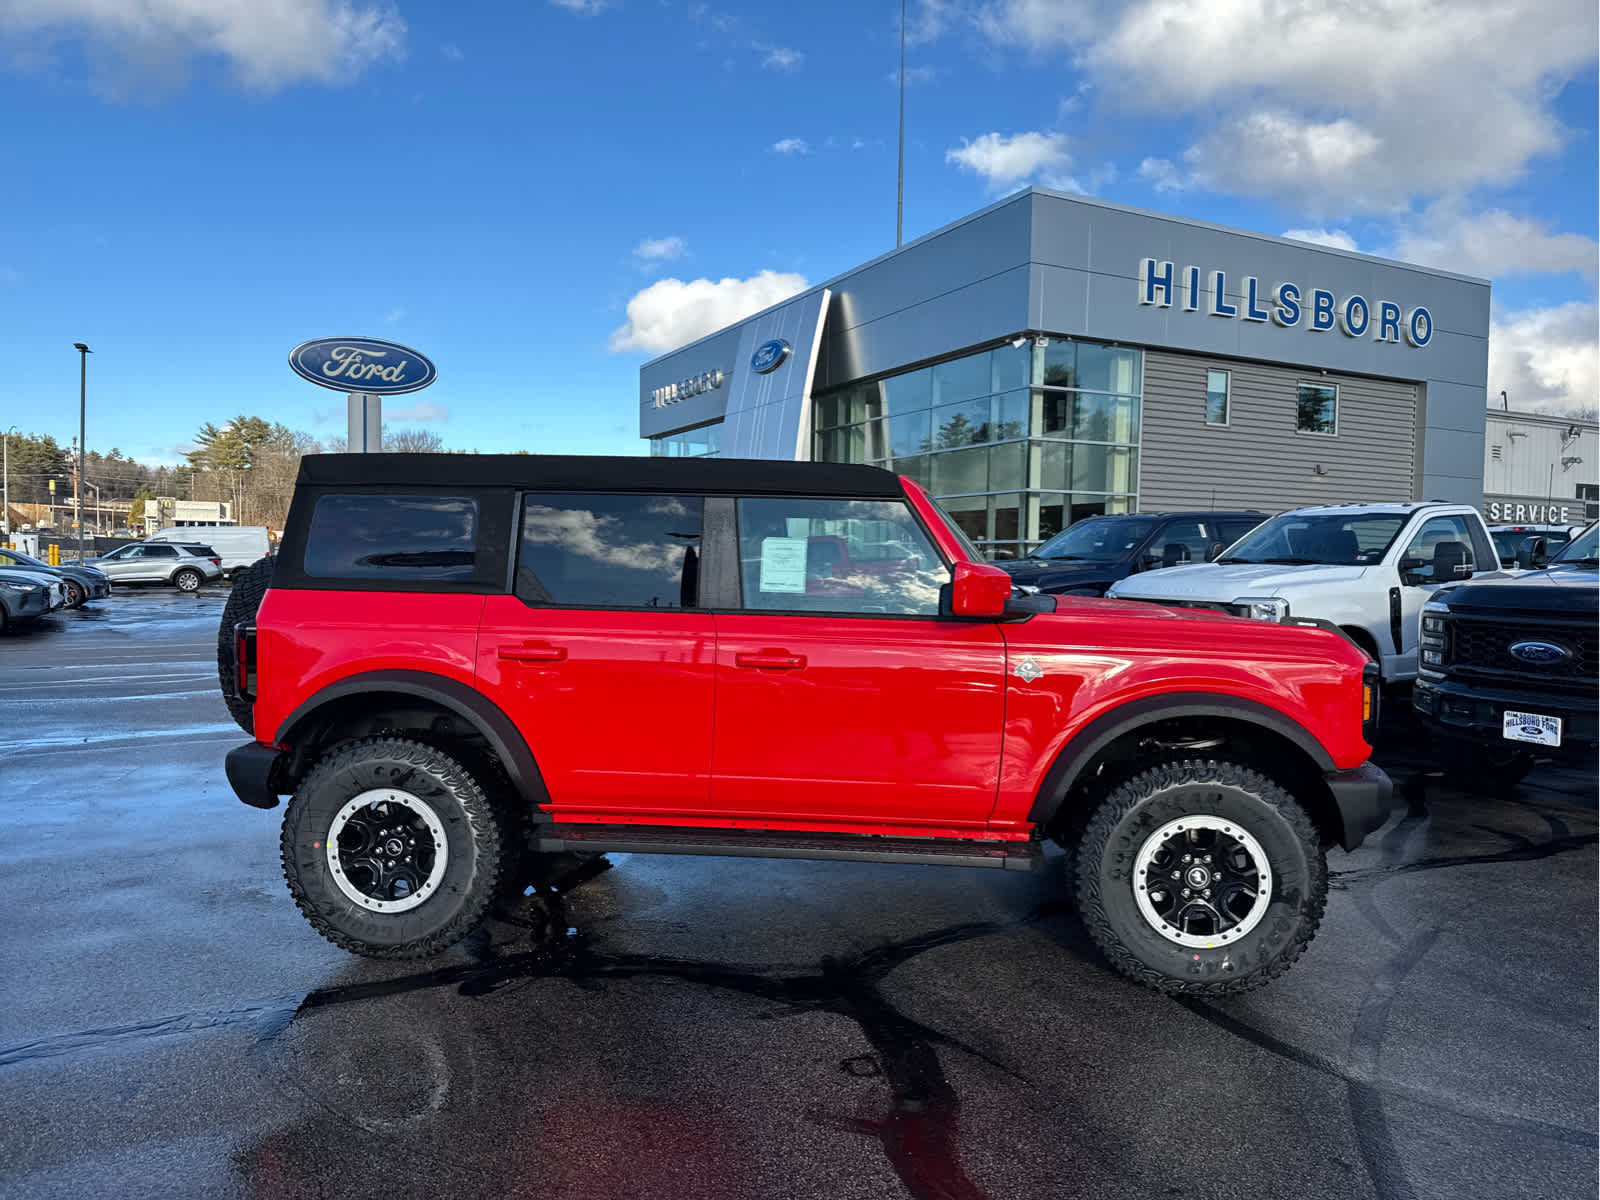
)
(1259, 460)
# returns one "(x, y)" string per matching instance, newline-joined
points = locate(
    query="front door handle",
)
(533, 652)
(771, 660)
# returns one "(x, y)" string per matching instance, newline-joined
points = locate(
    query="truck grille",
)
(1483, 647)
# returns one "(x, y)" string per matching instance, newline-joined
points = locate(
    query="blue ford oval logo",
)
(1541, 654)
(768, 355)
(362, 364)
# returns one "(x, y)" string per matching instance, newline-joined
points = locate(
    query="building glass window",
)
(1216, 397)
(1015, 442)
(704, 442)
(1589, 493)
(1317, 408)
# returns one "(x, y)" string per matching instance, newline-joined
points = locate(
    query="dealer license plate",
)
(1531, 727)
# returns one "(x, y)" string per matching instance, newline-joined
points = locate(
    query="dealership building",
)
(1054, 356)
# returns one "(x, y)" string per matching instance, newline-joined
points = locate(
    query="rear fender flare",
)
(465, 701)
(1082, 749)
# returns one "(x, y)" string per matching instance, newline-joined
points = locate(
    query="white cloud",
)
(267, 45)
(451, 52)
(422, 410)
(780, 58)
(1163, 175)
(672, 312)
(928, 21)
(395, 314)
(658, 250)
(1495, 244)
(1337, 238)
(791, 145)
(1342, 108)
(915, 76)
(584, 8)
(1007, 161)
(1546, 358)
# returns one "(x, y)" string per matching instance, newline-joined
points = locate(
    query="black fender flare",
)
(1094, 737)
(465, 701)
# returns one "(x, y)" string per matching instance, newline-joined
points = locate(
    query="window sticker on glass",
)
(783, 564)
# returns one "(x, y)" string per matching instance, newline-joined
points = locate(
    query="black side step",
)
(768, 843)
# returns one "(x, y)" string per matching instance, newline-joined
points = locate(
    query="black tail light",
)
(244, 661)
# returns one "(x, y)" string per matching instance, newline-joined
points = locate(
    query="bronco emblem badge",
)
(1028, 670)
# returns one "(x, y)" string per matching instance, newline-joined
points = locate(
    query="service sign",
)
(362, 364)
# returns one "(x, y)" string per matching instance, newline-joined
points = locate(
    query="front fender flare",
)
(1083, 747)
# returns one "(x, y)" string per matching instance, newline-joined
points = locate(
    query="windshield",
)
(1507, 541)
(1098, 539)
(1582, 549)
(1332, 539)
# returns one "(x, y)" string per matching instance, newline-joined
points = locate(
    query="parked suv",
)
(1509, 666)
(459, 662)
(1367, 568)
(1090, 555)
(185, 566)
(26, 595)
(79, 585)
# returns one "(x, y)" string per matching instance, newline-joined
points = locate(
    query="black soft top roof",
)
(576, 473)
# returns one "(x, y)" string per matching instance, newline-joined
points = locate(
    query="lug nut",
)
(1187, 892)
(1206, 893)
(1188, 858)
(1177, 875)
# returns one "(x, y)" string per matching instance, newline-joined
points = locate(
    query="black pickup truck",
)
(1508, 666)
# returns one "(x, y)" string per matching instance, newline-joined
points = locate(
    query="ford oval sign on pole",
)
(769, 355)
(362, 364)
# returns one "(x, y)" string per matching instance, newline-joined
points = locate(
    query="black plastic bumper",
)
(1477, 714)
(251, 769)
(1365, 797)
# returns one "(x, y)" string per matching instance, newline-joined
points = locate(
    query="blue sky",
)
(541, 195)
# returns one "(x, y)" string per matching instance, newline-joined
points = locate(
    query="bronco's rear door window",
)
(393, 538)
(609, 551)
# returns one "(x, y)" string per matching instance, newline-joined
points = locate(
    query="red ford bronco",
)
(459, 662)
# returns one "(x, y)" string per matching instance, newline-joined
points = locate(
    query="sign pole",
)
(366, 423)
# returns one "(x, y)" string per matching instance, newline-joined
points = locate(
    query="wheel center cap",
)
(1198, 877)
(394, 847)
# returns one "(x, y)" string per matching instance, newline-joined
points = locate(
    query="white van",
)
(237, 545)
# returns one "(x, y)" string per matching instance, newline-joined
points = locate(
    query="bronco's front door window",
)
(610, 551)
(837, 556)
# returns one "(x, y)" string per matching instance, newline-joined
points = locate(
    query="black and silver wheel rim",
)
(75, 594)
(1202, 881)
(387, 850)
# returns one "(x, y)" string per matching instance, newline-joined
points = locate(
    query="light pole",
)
(83, 381)
(5, 484)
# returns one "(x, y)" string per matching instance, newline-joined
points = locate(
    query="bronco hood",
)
(1223, 583)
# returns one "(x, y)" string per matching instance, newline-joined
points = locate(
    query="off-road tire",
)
(187, 580)
(472, 833)
(76, 594)
(1241, 795)
(249, 585)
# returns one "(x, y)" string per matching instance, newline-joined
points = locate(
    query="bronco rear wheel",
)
(390, 849)
(1201, 878)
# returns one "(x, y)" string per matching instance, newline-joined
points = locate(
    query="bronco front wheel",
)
(390, 849)
(1201, 878)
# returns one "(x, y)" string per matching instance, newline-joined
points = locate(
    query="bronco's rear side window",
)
(609, 551)
(393, 538)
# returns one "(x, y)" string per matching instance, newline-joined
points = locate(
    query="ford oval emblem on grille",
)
(1541, 654)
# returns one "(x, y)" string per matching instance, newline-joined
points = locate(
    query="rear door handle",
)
(771, 660)
(533, 652)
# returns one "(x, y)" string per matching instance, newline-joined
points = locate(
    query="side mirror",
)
(979, 590)
(1533, 554)
(1213, 550)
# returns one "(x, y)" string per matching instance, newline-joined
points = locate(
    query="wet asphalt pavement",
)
(697, 1027)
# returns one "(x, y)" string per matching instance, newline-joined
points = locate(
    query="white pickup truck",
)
(1367, 568)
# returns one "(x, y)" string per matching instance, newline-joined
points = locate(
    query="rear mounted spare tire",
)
(249, 585)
